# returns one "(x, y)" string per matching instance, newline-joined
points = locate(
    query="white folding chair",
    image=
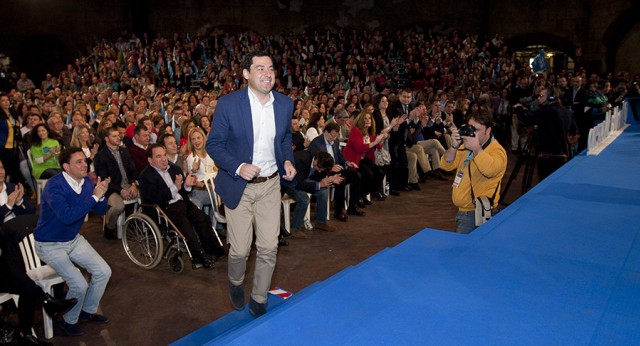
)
(5, 297)
(40, 183)
(43, 275)
(215, 203)
(287, 201)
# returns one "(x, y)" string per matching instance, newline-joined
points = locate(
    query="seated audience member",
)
(360, 150)
(200, 164)
(164, 184)
(298, 139)
(175, 156)
(66, 200)
(16, 281)
(311, 178)
(316, 123)
(58, 131)
(44, 152)
(17, 219)
(187, 125)
(328, 142)
(81, 138)
(138, 150)
(205, 125)
(342, 119)
(432, 128)
(114, 161)
(32, 120)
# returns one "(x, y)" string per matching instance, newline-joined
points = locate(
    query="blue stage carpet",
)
(561, 266)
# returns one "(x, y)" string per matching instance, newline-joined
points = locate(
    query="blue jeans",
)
(201, 198)
(61, 257)
(302, 203)
(466, 222)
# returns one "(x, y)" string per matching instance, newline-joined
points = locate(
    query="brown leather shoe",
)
(356, 211)
(323, 227)
(342, 216)
(296, 233)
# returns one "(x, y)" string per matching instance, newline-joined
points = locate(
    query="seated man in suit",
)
(328, 142)
(164, 184)
(311, 177)
(114, 161)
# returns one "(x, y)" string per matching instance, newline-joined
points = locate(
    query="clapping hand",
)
(101, 187)
(15, 196)
(191, 180)
(178, 182)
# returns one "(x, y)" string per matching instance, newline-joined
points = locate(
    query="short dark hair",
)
(163, 138)
(119, 124)
(139, 128)
(248, 59)
(331, 126)
(324, 160)
(143, 119)
(65, 155)
(482, 116)
(106, 132)
(153, 146)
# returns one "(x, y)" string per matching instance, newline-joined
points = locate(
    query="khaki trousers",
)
(259, 202)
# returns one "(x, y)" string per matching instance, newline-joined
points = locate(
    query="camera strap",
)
(473, 197)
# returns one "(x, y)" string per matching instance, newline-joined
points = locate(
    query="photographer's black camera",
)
(467, 130)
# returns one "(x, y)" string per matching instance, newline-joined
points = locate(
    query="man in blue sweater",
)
(66, 200)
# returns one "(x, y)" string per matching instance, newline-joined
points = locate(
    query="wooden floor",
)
(156, 307)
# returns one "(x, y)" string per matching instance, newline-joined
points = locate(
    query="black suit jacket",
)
(304, 180)
(105, 165)
(153, 188)
(394, 111)
(26, 208)
(319, 144)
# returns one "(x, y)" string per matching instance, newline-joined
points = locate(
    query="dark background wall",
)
(41, 35)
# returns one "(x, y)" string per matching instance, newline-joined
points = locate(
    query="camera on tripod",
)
(467, 130)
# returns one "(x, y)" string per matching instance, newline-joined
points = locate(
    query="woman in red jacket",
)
(360, 150)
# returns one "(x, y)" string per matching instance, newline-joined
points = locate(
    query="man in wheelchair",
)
(164, 184)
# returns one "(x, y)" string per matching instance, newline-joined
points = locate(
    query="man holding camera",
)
(480, 162)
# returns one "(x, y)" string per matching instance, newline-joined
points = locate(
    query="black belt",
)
(258, 180)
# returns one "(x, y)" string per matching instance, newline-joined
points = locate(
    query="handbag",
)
(382, 157)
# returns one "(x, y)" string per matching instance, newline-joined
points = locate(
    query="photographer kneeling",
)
(480, 163)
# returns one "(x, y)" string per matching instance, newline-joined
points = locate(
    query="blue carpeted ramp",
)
(561, 266)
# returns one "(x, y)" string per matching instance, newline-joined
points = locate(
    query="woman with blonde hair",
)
(81, 138)
(200, 164)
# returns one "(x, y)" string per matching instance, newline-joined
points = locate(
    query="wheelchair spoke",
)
(142, 241)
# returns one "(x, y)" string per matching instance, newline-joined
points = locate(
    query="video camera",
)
(467, 130)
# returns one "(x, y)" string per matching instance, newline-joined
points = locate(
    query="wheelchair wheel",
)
(142, 241)
(176, 263)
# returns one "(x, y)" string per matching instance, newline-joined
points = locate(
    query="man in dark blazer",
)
(311, 178)
(16, 204)
(329, 139)
(164, 184)
(250, 141)
(123, 176)
(399, 171)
